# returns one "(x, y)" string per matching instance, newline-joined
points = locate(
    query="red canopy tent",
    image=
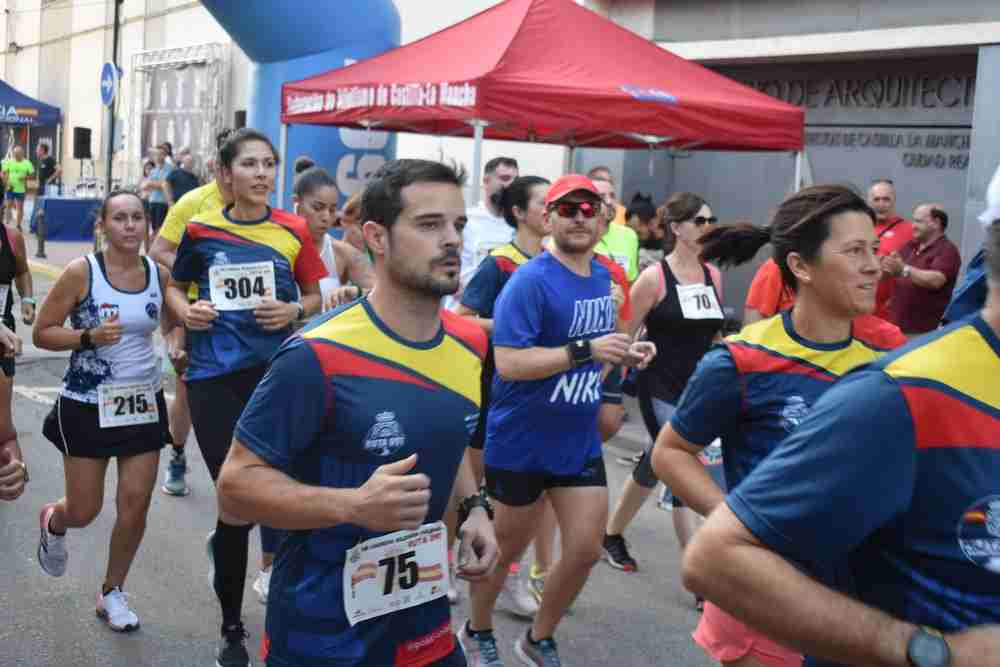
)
(547, 71)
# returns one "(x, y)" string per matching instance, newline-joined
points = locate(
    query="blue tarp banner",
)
(16, 108)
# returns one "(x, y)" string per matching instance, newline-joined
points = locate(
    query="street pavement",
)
(644, 618)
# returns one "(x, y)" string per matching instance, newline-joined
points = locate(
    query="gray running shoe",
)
(480, 650)
(52, 552)
(537, 654)
(233, 649)
(175, 485)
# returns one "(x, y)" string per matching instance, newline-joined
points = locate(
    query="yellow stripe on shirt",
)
(355, 329)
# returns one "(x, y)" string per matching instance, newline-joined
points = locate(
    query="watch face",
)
(927, 650)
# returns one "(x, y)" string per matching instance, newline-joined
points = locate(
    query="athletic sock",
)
(475, 634)
(230, 546)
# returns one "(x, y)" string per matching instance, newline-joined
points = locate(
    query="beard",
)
(425, 282)
(572, 245)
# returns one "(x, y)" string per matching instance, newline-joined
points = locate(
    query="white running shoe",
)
(114, 610)
(516, 599)
(52, 553)
(262, 584)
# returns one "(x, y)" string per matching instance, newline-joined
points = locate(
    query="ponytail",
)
(732, 245)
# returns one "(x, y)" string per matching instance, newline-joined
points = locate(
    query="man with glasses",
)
(893, 232)
(554, 335)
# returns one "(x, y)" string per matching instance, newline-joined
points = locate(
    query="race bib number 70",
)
(395, 571)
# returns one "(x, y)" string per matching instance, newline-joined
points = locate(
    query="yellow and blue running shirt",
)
(235, 340)
(896, 473)
(321, 415)
(754, 388)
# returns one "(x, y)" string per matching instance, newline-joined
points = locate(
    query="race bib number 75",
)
(395, 571)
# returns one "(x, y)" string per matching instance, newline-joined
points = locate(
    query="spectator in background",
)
(181, 180)
(486, 228)
(893, 232)
(644, 220)
(925, 269)
(48, 172)
(168, 150)
(15, 175)
(768, 294)
(155, 184)
(602, 173)
(619, 243)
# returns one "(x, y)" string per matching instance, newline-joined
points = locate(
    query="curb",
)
(47, 270)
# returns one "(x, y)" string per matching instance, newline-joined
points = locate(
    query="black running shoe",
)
(233, 649)
(617, 555)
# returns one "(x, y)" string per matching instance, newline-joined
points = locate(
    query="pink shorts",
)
(726, 639)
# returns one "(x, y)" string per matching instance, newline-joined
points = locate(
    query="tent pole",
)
(478, 126)
(570, 163)
(798, 172)
(282, 164)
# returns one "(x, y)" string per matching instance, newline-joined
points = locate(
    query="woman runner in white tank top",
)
(111, 405)
(315, 200)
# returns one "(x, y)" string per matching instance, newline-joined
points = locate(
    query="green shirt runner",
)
(17, 173)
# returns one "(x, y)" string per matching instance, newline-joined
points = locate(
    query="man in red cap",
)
(554, 339)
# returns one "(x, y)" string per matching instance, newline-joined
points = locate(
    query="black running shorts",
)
(518, 489)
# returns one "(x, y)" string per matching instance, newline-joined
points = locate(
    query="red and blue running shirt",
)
(755, 388)
(321, 415)
(235, 341)
(895, 472)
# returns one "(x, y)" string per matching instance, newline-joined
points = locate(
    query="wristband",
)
(580, 352)
(28, 300)
(906, 271)
(473, 501)
(302, 311)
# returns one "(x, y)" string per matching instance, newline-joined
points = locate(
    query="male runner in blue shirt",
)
(894, 476)
(354, 443)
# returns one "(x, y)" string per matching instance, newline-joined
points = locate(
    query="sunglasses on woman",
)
(702, 220)
(567, 209)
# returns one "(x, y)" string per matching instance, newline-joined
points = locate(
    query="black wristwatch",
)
(302, 311)
(85, 342)
(579, 352)
(473, 501)
(928, 648)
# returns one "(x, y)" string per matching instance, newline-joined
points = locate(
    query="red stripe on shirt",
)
(336, 360)
(754, 360)
(309, 267)
(198, 232)
(942, 420)
(466, 331)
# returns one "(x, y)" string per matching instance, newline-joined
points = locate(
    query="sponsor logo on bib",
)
(386, 436)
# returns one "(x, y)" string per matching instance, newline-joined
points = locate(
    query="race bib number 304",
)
(396, 571)
(698, 302)
(126, 404)
(241, 286)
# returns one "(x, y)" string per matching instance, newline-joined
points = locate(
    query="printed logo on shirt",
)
(793, 413)
(220, 258)
(471, 421)
(979, 533)
(107, 311)
(385, 437)
(153, 311)
(577, 388)
(591, 316)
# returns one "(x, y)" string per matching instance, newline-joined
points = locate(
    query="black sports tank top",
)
(681, 340)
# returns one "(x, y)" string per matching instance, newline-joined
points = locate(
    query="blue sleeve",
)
(517, 317)
(846, 470)
(188, 265)
(288, 408)
(483, 289)
(712, 399)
